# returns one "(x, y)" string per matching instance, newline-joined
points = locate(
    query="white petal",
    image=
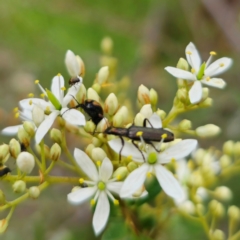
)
(179, 150)
(72, 91)
(29, 103)
(26, 115)
(216, 69)
(45, 126)
(101, 213)
(106, 170)
(73, 116)
(179, 73)
(56, 87)
(194, 58)
(168, 182)
(72, 64)
(81, 195)
(195, 93)
(86, 164)
(134, 181)
(146, 110)
(214, 82)
(114, 187)
(128, 149)
(156, 121)
(11, 131)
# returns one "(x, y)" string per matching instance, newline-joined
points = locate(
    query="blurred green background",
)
(148, 35)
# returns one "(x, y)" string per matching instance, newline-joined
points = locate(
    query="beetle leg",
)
(138, 149)
(120, 152)
(150, 143)
(145, 122)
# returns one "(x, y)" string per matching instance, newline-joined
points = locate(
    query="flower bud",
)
(102, 125)
(46, 150)
(200, 208)
(98, 154)
(236, 149)
(223, 194)
(34, 192)
(81, 94)
(107, 45)
(23, 137)
(103, 74)
(138, 120)
(37, 115)
(2, 198)
(185, 125)
(19, 186)
(121, 117)
(82, 66)
(161, 114)
(228, 147)
(4, 153)
(55, 152)
(187, 207)
(205, 93)
(195, 179)
(120, 173)
(143, 95)
(234, 213)
(89, 127)
(132, 166)
(153, 97)
(225, 161)
(146, 111)
(3, 225)
(96, 142)
(217, 209)
(56, 135)
(89, 149)
(111, 104)
(25, 162)
(14, 148)
(29, 127)
(182, 64)
(97, 87)
(72, 64)
(202, 193)
(182, 95)
(92, 94)
(218, 235)
(207, 103)
(209, 130)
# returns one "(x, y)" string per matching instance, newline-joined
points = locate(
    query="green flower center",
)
(53, 100)
(101, 185)
(152, 158)
(201, 71)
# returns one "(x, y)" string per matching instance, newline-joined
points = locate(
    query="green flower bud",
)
(225, 161)
(111, 104)
(102, 125)
(120, 173)
(161, 114)
(195, 179)
(89, 149)
(218, 235)
(185, 125)
(182, 64)
(143, 95)
(207, 103)
(81, 94)
(209, 130)
(3, 225)
(29, 127)
(96, 142)
(4, 153)
(228, 147)
(121, 117)
(199, 155)
(132, 166)
(89, 127)
(25, 162)
(205, 93)
(34, 192)
(55, 152)
(56, 135)
(92, 94)
(98, 154)
(217, 209)
(200, 208)
(103, 74)
(14, 148)
(138, 120)
(187, 207)
(146, 111)
(107, 45)
(153, 97)
(38, 116)
(24, 137)
(182, 95)
(223, 194)
(2, 198)
(236, 149)
(234, 213)
(46, 150)
(19, 186)
(97, 87)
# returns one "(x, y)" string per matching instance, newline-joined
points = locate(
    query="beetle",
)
(74, 80)
(4, 170)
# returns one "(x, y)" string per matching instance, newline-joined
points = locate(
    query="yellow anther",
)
(189, 52)
(164, 136)
(221, 64)
(47, 110)
(139, 134)
(81, 180)
(30, 102)
(129, 157)
(149, 174)
(208, 78)
(213, 53)
(63, 88)
(30, 95)
(16, 115)
(99, 163)
(92, 202)
(42, 95)
(118, 177)
(36, 81)
(193, 70)
(15, 109)
(59, 74)
(173, 160)
(116, 202)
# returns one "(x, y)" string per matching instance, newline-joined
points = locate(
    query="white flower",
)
(153, 163)
(57, 105)
(100, 190)
(201, 73)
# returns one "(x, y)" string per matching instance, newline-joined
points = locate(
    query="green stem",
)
(236, 236)
(49, 169)
(35, 157)
(10, 213)
(43, 159)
